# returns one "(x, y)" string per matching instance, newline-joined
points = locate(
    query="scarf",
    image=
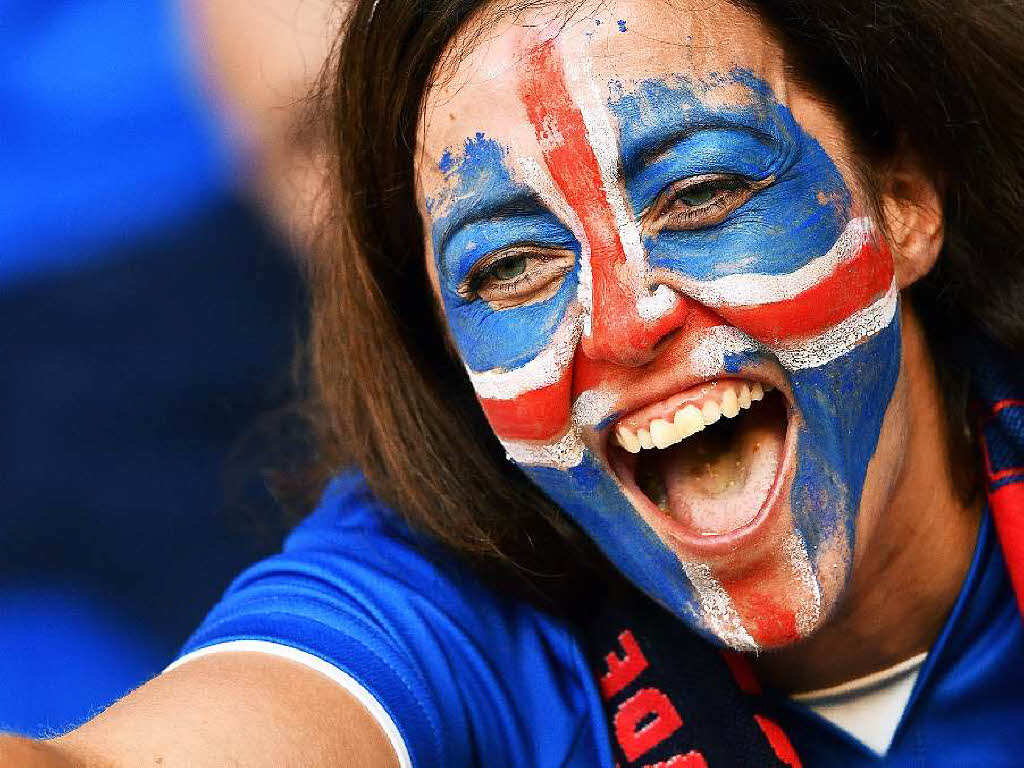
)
(675, 701)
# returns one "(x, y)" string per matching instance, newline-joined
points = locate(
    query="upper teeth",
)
(691, 418)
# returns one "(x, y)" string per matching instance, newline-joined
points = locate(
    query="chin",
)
(710, 469)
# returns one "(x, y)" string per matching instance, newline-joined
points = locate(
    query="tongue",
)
(717, 481)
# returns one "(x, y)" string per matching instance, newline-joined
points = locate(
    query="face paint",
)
(654, 322)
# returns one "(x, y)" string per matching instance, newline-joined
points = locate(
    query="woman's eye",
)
(510, 268)
(700, 202)
(697, 196)
(522, 276)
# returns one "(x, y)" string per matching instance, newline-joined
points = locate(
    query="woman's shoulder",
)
(358, 542)
(463, 671)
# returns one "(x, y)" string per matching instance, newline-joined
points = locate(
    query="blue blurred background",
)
(149, 311)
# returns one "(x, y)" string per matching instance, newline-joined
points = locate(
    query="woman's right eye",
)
(518, 276)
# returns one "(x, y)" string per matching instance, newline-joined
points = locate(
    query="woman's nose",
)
(628, 316)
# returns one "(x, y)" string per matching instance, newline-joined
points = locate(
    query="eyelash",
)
(542, 269)
(718, 202)
(729, 193)
(506, 287)
(480, 273)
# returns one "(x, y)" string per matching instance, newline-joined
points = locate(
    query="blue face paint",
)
(482, 210)
(668, 132)
(590, 496)
(841, 406)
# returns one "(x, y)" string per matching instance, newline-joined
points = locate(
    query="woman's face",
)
(673, 301)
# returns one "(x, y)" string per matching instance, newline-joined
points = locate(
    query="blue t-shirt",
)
(472, 678)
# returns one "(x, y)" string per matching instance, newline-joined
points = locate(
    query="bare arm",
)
(228, 709)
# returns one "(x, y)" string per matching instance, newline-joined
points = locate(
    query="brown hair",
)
(941, 76)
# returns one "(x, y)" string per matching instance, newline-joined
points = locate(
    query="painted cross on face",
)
(679, 321)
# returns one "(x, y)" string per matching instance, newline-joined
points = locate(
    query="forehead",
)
(613, 47)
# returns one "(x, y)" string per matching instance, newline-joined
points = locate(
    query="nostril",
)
(659, 302)
(666, 340)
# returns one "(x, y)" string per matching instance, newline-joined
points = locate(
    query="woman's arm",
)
(26, 753)
(232, 708)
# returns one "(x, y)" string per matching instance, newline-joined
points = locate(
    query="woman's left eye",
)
(517, 276)
(700, 201)
(509, 268)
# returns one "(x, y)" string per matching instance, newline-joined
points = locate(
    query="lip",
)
(684, 541)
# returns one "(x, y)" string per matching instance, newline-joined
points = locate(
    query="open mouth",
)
(707, 458)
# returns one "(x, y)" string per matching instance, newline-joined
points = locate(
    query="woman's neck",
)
(913, 564)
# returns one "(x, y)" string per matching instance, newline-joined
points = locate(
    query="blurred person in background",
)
(260, 58)
(148, 314)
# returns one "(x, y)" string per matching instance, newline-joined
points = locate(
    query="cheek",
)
(883, 469)
(827, 292)
(789, 267)
(842, 407)
(539, 414)
(506, 340)
(519, 363)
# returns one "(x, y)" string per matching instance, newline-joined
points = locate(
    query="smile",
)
(704, 463)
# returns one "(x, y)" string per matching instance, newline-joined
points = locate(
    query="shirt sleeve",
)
(460, 675)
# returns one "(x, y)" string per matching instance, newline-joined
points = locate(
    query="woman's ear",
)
(914, 222)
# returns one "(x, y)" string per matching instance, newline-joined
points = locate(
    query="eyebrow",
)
(638, 149)
(519, 203)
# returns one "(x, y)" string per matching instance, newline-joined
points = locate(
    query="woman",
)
(716, 273)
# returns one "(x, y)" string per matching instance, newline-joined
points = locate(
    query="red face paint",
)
(853, 285)
(618, 332)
